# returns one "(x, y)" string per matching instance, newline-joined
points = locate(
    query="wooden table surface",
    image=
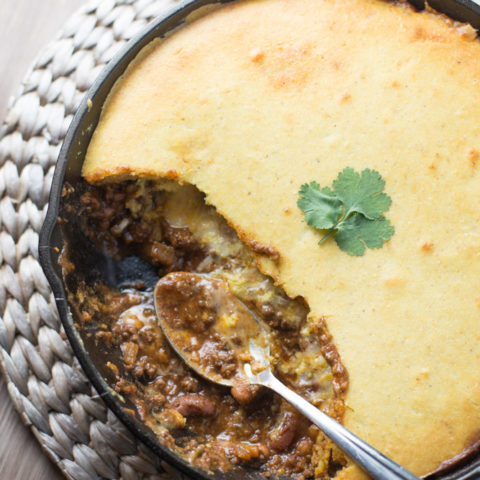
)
(25, 26)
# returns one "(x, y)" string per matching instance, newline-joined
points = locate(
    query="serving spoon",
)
(222, 340)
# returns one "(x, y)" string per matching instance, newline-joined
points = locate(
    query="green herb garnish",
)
(352, 210)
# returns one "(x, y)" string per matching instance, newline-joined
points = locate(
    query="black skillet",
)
(91, 266)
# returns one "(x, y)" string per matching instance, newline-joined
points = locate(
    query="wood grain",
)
(25, 26)
(21, 457)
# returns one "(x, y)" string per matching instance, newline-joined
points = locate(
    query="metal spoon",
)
(186, 324)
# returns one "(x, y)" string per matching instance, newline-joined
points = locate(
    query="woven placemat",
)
(44, 379)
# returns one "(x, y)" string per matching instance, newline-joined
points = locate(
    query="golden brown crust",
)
(256, 98)
(261, 249)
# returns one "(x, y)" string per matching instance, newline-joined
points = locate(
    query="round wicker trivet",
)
(44, 380)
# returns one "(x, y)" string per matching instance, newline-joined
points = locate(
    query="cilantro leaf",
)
(352, 211)
(321, 208)
(361, 193)
(357, 232)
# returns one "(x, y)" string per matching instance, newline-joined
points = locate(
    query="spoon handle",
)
(371, 460)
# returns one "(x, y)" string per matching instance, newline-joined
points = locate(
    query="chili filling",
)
(213, 427)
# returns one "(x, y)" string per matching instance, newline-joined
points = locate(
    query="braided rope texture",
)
(44, 380)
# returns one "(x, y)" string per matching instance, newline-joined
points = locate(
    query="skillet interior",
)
(92, 266)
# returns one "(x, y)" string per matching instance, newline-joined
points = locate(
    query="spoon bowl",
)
(208, 326)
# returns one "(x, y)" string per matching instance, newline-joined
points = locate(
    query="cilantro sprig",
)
(351, 211)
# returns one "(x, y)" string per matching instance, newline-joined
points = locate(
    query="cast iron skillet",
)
(92, 266)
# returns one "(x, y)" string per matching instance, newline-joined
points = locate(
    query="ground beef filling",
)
(214, 427)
